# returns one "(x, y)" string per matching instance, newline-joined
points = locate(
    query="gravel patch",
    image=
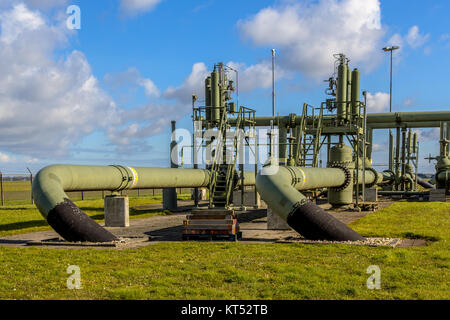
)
(370, 242)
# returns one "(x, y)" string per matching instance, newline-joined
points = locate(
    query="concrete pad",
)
(371, 195)
(249, 199)
(274, 222)
(117, 212)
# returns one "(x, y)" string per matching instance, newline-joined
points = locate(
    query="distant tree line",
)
(16, 178)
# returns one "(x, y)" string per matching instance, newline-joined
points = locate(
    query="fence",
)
(15, 188)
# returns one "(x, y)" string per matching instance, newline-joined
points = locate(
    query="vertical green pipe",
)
(349, 93)
(415, 143)
(397, 157)
(410, 147)
(342, 156)
(295, 148)
(341, 96)
(391, 150)
(356, 91)
(282, 145)
(404, 131)
(443, 143)
(291, 160)
(215, 96)
(208, 98)
(170, 194)
(369, 151)
(448, 138)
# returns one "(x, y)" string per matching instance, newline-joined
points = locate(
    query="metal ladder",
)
(308, 142)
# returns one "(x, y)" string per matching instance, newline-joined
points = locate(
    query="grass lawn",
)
(247, 271)
(25, 218)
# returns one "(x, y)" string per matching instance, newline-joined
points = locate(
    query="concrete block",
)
(117, 212)
(274, 222)
(170, 199)
(438, 195)
(249, 199)
(371, 194)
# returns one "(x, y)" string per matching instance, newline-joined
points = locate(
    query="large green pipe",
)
(426, 119)
(279, 189)
(411, 125)
(52, 183)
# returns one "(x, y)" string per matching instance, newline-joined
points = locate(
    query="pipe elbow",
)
(276, 188)
(69, 221)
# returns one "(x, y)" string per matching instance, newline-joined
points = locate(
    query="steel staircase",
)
(308, 142)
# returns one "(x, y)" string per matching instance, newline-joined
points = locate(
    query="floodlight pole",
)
(390, 49)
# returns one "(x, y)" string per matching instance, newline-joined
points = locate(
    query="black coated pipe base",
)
(313, 223)
(75, 226)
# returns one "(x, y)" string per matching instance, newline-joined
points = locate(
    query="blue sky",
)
(105, 94)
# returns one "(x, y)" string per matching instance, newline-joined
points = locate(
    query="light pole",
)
(273, 82)
(391, 151)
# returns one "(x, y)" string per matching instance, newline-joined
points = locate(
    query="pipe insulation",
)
(279, 187)
(51, 184)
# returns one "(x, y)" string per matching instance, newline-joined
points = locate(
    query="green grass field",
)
(19, 219)
(239, 270)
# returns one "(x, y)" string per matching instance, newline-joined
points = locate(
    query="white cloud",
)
(309, 34)
(379, 147)
(132, 77)
(46, 103)
(396, 40)
(408, 102)
(4, 158)
(135, 7)
(33, 160)
(425, 135)
(257, 76)
(151, 90)
(378, 102)
(35, 4)
(415, 39)
(140, 123)
(193, 84)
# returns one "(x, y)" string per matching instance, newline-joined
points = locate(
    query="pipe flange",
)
(374, 183)
(393, 175)
(348, 175)
(339, 164)
(126, 178)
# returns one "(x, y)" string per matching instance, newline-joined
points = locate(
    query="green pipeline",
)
(280, 186)
(375, 120)
(52, 182)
